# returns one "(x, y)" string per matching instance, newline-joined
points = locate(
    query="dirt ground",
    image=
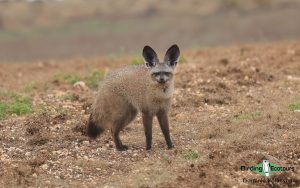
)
(230, 108)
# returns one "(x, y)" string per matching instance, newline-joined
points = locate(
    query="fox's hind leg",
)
(117, 140)
(119, 124)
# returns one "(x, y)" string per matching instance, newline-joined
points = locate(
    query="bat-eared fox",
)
(144, 88)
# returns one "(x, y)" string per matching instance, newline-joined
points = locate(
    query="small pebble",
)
(45, 166)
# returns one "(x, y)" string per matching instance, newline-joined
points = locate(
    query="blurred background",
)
(55, 29)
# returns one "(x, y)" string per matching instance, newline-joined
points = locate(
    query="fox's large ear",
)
(172, 55)
(150, 56)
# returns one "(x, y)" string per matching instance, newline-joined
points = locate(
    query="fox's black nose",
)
(161, 80)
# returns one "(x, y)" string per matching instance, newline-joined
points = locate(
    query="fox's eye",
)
(162, 73)
(167, 73)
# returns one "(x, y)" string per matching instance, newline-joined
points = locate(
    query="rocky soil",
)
(231, 107)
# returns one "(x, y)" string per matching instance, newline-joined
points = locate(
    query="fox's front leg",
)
(162, 117)
(147, 122)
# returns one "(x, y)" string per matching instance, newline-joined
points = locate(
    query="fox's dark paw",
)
(148, 148)
(122, 148)
(170, 146)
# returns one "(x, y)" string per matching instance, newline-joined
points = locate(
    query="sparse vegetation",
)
(248, 116)
(137, 61)
(191, 155)
(72, 97)
(182, 59)
(60, 110)
(40, 109)
(68, 78)
(3, 110)
(294, 106)
(30, 86)
(21, 106)
(72, 79)
(18, 105)
(93, 79)
(167, 159)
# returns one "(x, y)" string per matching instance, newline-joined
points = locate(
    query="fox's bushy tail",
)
(93, 130)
